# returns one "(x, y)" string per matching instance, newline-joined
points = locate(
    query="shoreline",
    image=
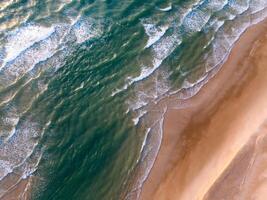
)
(187, 128)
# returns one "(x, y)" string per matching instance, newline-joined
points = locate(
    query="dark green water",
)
(83, 86)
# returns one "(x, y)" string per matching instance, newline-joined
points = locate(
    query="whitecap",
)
(117, 91)
(24, 37)
(240, 6)
(36, 53)
(37, 44)
(140, 102)
(154, 33)
(166, 9)
(80, 87)
(136, 120)
(195, 20)
(139, 116)
(86, 29)
(145, 139)
(166, 46)
(160, 51)
(147, 71)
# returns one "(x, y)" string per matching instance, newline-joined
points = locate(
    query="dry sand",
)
(215, 148)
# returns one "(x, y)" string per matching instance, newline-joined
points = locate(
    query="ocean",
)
(84, 86)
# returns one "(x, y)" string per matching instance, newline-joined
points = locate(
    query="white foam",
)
(37, 44)
(30, 168)
(196, 20)
(136, 120)
(160, 50)
(13, 123)
(141, 102)
(117, 91)
(240, 6)
(37, 51)
(86, 29)
(166, 9)
(22, 38)
(154, 33)
(215, 5)
(257, 5)
(217, 25)
(18, 151)
(139, 116)
(187, 84)
(80, 87)
(145, 139)
(5, 168)
(147, 71)
(166, 46)
(259, 16)
(28, 59)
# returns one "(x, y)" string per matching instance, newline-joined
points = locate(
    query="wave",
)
(154, 33)
(166, 9)
(25, 52)
(195, 20)
(38, 44)
(22, 38)
(160, 51)
(87, 29)
(139, 116)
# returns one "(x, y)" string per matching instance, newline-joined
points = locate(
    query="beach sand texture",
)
(215, 147)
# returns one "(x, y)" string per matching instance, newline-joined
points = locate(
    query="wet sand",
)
(12, 187)
(215, 147)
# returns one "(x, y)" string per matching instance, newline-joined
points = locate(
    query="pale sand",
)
(215, 148)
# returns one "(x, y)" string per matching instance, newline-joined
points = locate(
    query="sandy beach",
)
(215, 147)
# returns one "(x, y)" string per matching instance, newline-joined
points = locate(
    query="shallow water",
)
(82, 85)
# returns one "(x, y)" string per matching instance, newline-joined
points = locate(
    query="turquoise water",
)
(84, 86)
